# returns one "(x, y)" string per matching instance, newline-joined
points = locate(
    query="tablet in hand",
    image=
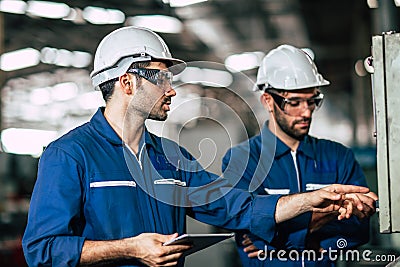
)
(199, 241)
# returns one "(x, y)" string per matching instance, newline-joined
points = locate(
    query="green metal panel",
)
(386, 83)
(392, 74)
(378, 83)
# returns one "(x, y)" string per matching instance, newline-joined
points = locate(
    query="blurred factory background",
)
(46, 51)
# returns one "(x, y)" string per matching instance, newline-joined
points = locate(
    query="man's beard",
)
(157, 112)
(289, 129)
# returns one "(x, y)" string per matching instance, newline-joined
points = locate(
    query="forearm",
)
(146, 248)
(291, 206)
(98, 253)
(326, 200)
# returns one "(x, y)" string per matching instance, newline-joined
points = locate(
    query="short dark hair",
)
(107, 88)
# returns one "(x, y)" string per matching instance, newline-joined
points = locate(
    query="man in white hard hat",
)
(285, 159)
(110, 192)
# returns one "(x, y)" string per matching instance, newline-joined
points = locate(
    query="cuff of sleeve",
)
(68, 250)
(263, 216)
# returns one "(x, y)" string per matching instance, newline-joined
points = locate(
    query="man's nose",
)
(307, 109)
(170, 92)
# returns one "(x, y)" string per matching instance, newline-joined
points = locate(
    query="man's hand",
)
(333, 198)
(319, 219)
(363, 206)
(147, 248)
(365, 203)
(328, 199)
(150, 249)
(251, 250)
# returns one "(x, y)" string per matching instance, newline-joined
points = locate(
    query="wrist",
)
(129, 247)
(291, 206)
(307, 202)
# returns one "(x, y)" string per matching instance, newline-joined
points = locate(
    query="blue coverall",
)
(265, 165)
(91, 186)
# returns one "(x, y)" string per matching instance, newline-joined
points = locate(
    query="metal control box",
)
(386, 100)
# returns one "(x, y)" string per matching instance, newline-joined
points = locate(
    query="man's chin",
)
(159, 117)
(299, 134)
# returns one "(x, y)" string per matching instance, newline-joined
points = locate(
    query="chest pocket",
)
(320, 178)
(277, 183)
(168, 169)
(109, 180)
(272, 191)
(112, 200)
(111, 187)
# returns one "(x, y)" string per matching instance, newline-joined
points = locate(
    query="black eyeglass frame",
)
(281, 101)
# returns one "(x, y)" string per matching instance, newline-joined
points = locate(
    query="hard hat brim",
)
(324, 82)
(177, 65)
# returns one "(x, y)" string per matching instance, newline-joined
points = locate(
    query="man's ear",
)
(128, 83)
(267, 101)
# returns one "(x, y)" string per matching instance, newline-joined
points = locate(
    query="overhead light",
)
(397, 3)
(372, 3)
(26, 141)
(63, 57)
(58, 92)
(81, 59)
(244, 61)
(19, 59)
(48, 55)
(91, 100)
(158, 23)
(190, 75)
(207, 77)
(182, 3)
(46, 9)
(13, 6)
(216, 78)
(64, 91)
(98, 15)
(40, 96)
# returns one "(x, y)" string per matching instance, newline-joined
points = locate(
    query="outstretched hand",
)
(335, 197)
(328, 199)
(365, 203)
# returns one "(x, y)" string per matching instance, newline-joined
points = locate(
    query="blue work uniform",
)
(90, 186)
(271, 168)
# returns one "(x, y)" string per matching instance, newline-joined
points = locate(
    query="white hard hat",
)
(288, 68)
(124, 46)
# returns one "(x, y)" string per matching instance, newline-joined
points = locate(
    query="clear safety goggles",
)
(161, 78)
(295, 106)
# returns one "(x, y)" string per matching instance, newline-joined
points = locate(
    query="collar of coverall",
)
(281, 148)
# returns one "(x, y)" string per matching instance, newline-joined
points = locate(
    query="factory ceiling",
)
(338, 32)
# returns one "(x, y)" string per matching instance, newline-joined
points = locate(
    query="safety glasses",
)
(161, 78)
(295, 106)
